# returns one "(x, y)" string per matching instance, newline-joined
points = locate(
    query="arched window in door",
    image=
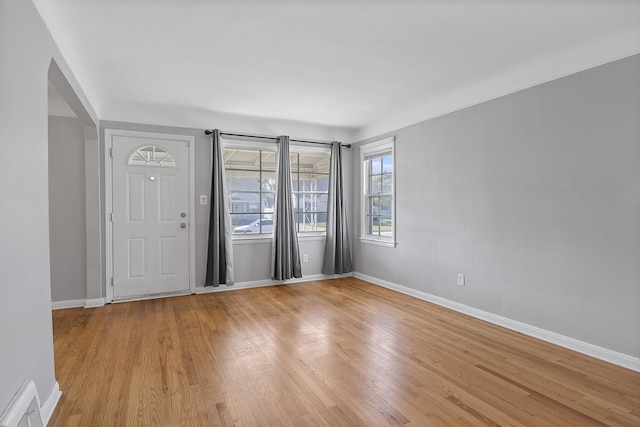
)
(151, 155)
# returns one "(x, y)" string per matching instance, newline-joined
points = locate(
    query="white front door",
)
(150, 190)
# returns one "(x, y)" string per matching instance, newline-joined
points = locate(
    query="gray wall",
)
(25, 318)
(25, 295)
(535, 196)
(252, 261)
(74, 98)
(67, 203)
(26, 52)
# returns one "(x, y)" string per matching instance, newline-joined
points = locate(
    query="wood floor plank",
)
(339, 352)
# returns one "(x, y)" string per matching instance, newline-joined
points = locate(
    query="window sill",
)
(312, 236)
(242, 239)
(378, 242)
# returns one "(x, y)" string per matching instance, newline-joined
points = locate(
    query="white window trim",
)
(240, 239)
(258, 144)
(380, 146)
(266, 238)
(270, 145)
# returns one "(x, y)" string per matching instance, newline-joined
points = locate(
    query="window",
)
(310, 176)
(378, 207)
(250, 169)
(251, 184)
(151, 155)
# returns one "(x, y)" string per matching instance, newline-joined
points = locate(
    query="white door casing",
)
(151, 202)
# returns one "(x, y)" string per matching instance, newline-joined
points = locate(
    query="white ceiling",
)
(372, 65)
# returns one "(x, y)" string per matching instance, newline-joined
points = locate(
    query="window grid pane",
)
(310, 191)
(251, 180)
(242, 180)
(151, 155)
(378, 215)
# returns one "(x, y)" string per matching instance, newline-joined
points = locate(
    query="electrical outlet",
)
(203, 199)
(305, 257)
(460, 279)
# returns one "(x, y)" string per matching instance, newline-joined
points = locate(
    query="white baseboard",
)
(73, 303)
(601, 353)
(20, 410)
(47, 408)
(96, 302)
(269, 282)
(99, 302)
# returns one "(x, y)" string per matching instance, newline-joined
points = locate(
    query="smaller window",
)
(378, 189)
(151, 155)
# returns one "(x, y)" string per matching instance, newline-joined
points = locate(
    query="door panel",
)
(167, 198)
(135, 197)
(168, 255)
(150, 216)
(136, 258)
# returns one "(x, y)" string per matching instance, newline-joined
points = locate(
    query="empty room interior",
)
(355, 212)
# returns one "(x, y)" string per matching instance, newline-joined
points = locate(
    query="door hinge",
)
(111, 217)
(113, 280)
(110, 152)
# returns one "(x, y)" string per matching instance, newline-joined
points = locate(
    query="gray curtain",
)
(285, 254)
(337, 252)
(220, 252)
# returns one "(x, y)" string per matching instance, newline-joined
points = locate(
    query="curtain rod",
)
(209, 132)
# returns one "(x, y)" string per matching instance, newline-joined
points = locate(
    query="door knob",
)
(183, 225)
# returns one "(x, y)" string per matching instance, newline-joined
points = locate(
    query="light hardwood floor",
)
(338, 352)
